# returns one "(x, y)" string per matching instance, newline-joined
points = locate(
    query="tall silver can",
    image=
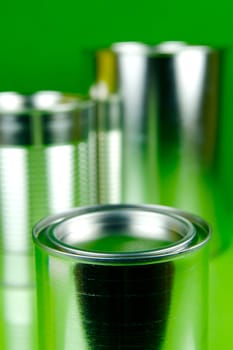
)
(122, 277)
(186, 100)
(170, 95)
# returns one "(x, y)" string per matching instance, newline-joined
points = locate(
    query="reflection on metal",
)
(132, 64)
(120, 276)
(187, 144)
(170, 100)
(131, 85)
(44, 161)
(109, 130)
(46, 152)
(109, 150)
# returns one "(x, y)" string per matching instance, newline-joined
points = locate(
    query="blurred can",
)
(109, 130)
(122, 276)
(109, 143)
(170, 101)
(186, 83)
(133, 71)
(45, 147)
(109, 150)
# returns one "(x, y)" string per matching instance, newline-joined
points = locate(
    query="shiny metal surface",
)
(46, 151)
(109, 131)
(132, 60)
(45, 148)
(187, 86)
(187, 116)
(172, 233)
(140, 303)
(47, 117)
(170, 98)
(109, 149)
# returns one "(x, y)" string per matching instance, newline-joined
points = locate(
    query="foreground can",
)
(122, 277)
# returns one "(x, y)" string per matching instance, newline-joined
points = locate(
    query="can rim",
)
(41, 101)
(170, 49)
(43, 118)
(130, 47)
(199, 234)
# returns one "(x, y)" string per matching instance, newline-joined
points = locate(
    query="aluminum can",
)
(173, 142)
(46, 146)
(170, 97)
(122, 277)
(44, 161)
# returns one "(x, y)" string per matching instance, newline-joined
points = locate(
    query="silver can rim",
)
(199, 236)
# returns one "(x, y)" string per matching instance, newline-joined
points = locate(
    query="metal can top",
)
(119, 234)
(173, 48)
(45, 117)
(130, 47)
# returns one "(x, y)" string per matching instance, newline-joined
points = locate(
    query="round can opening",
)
(117, 230)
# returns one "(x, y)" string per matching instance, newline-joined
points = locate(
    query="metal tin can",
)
(122, 277)
(170, 95)
(44, 142)
(46, 146)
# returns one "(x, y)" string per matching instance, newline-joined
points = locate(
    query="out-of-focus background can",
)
(170, 146)
(172, 137)
(45, 151)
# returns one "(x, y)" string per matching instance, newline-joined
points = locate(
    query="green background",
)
(44, 43)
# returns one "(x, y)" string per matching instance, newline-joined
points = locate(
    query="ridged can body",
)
(122, 277)
(45, 161)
